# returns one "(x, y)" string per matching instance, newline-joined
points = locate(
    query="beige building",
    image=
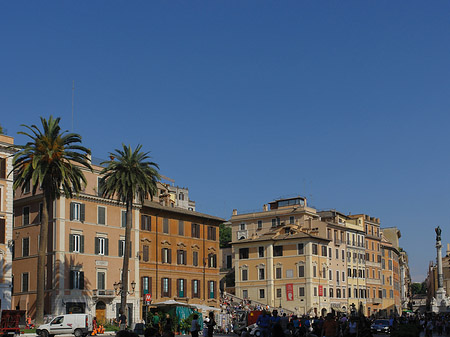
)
(6, 221)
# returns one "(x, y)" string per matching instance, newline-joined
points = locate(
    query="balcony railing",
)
(103, 293)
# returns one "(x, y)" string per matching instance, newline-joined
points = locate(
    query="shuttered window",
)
(166, 255)
(145, 254)
(101, 280)
(101, 215)
(24, 282)
(2, 231)
(166, 285)
(76, 243)
(146, 284)
(165, 225)
(76, 279)
(146, 222)
(25, 247)
(121, 246)
(124, 219)
(211, 233)
(195, 258)
(180, 227)
(77, 211)
(196, 288)
(181, 287)
(212, 289)
(26, 216)
(2, 168)
(195, 230)
(181, 257)
(102, 246)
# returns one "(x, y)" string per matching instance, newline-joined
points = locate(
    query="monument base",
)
(440, 304)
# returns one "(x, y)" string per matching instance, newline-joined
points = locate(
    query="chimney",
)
(448, 249)
(265, 208)
(234, 211)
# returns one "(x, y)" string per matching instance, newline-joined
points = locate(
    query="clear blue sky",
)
(344, 102)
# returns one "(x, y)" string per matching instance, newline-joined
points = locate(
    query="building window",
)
(212, 289)
(274, 222)
(166, 255)
(261, 251)
(244, 275)
(76, 279)
(181, 196)
(324, 250)
(181, 284)
(101, 246)
(245, 293)
(165, 287)
(262, 293)
(3, 233)
(212, 260)
(261, 273)
(242, 227)
(145, 253)
(124, 218)
(181, 257)
(195, 258)
(291, 220)
(331, 293)
(315, 291)
(195, 230)
(314, 271)
(121, 246)
(259, 224)
(229, 263)
(146, 222)
(314, 249)
(2, 168)
(24, 282)
(300, 249)
(211, 233)
(101, 215)
(196, 288)
(25, 247)
(181, 227)
(26, 216)
(27, 187)
(278, 273)
(76, 243)
(301, 291)
(278, 292)
(101, 280)
(278, 251)
(243, 253)
(146, 285)
(330, 274)
(301, 271)
(77, 211)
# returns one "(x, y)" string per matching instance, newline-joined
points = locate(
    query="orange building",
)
(6, 220)
(179, 255)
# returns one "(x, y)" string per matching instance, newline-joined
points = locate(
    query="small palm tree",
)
(127, 175)
(51, 160)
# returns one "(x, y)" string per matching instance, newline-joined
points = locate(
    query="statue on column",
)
(438, 233)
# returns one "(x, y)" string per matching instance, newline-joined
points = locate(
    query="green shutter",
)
(82, 244)
(71, 210)
(71, 243)
(97, 246)
(106, 246)
(82, 212)
(120, 248)
(81, 279)
(71, 280)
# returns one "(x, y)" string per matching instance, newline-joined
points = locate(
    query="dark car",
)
(380, 326)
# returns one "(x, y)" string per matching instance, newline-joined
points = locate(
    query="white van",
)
(77, 324)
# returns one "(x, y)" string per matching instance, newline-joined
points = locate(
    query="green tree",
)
(225, 236)
(51, 159)
(127, 175)
(2, 131)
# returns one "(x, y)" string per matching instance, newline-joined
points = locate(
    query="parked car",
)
(76, 324)
(380, 326)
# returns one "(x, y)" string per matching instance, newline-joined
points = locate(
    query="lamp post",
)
(118, 288)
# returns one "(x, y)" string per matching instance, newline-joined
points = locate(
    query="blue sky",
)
(346, 103)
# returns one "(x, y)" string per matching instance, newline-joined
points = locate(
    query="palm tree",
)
(127, 175)
(51, 160)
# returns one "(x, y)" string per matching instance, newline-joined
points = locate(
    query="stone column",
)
(439, 265)
(270, 278)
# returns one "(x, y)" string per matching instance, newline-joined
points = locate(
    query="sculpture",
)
(438, 233)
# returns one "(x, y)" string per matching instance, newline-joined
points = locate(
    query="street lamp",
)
(118, 288)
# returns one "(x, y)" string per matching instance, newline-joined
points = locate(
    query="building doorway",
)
(100, 312)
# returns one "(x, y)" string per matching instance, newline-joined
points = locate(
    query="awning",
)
(172, 302)
(205, 307)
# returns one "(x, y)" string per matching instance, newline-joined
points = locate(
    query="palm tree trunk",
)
(126, 259)
(42, 254)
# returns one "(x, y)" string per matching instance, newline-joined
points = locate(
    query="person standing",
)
(211, 324)
(353, 327)
(263, 322)
(329, 327)
(195, 327)
(122, 320)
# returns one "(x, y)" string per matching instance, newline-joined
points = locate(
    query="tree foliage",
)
(225, 236)
(127, 175)
(52, 160)
(419, 288)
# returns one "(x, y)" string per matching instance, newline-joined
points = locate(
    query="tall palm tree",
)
(127, 175)
(52, 160)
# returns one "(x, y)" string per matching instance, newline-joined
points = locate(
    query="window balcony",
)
(103, 293)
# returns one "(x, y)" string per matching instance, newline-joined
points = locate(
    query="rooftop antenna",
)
(73, 96)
